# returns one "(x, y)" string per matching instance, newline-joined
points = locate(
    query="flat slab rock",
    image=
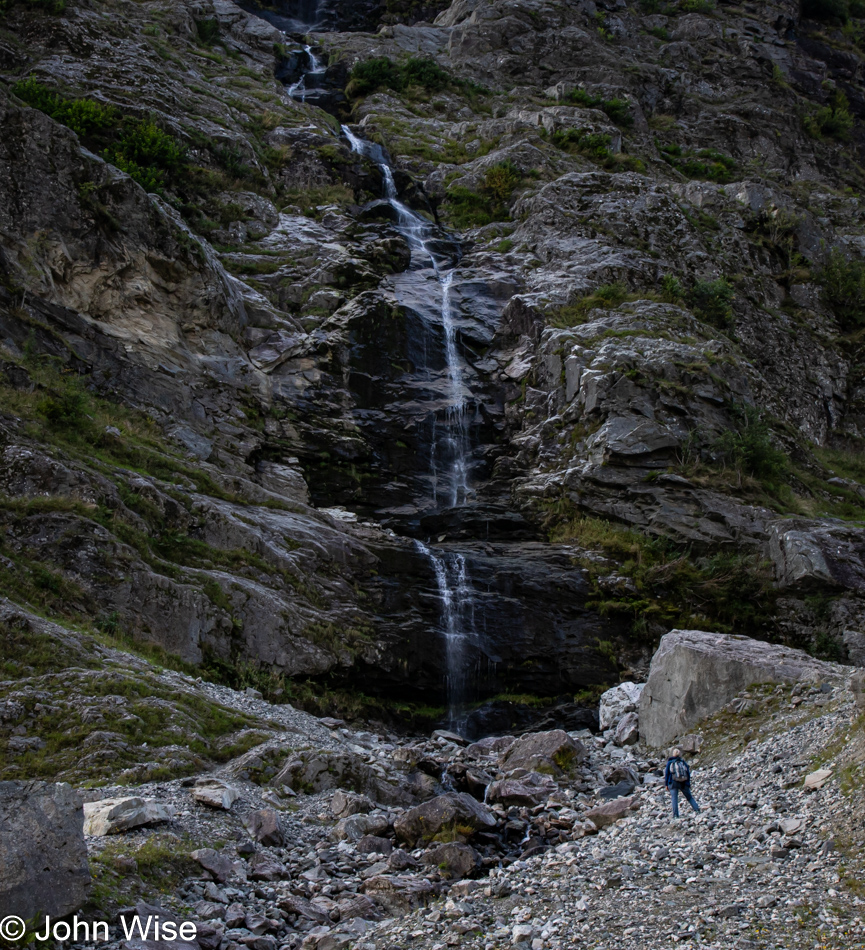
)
(694, 673)
(112, 816)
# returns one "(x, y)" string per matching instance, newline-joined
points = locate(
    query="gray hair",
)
(676, 753)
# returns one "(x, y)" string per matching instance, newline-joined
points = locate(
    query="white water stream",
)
(451, 440)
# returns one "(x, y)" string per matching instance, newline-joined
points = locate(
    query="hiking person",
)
(677, 778)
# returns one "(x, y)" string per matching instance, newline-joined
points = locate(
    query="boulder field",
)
(330, 836)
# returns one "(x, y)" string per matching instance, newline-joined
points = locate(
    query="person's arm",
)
(667, 774)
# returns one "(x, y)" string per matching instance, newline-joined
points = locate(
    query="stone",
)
(43, 854)
(604, 815)
(691, 744)
(425, 821)
(371, 844)
(235, 915)
(490, 746)
(399, 895)
(356, 827)
(300, 907)
(695, 673)
(511, 792)
(343, 804)
(618, 701)
(857, 687)
(113, 816)
(214, 793)
(356, 905)
(628, 730)
(265, 867)
(217, 863)
(554, 750)
(265, 826)
(817, 780)
(454, 860)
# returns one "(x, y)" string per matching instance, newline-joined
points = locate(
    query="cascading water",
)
(456, 599)
(450, 443)
(450, 439)
(300, 89)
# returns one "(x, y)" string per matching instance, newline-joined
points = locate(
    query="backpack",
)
(679, 771)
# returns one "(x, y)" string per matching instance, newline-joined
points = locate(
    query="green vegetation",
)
(709, 299)
(124, 872)
(595, 146)
(605, 297)
(146, 716)
(749, 448)
(471, 209)
(843, 283)
(619, 110)
(673, 586)
(208, 31)
(712, 301)
(157, 160)
(834, 120)
(147, 154)
(705, 163)
(83, 116)
(382, 73)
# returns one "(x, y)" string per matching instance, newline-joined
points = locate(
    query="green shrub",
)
(843, 283)
(618, 110)
(672, 290)
(500, 181)
(426, 73)
(604, 297)
(833, 120)
(146, 154)
(208, 31)
(383, 73)
(697, 6)
(711, 301)
(83, 116)
(749, 448)
(707, 163)
(474, 209)
(595, 146)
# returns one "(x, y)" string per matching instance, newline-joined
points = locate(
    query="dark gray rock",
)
(42, 850)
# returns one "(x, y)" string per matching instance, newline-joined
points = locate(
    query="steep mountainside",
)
(452, 361)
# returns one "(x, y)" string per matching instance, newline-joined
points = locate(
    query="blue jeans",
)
(686, 791)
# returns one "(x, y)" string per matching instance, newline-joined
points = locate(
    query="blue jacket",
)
(668, 779)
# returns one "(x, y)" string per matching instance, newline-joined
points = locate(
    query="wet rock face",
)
(524, 617)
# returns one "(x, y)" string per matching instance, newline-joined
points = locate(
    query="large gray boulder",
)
(447, 811)
(694, 673)
(552, 751)
(43, 856)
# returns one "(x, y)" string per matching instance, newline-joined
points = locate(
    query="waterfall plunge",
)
(451, 441)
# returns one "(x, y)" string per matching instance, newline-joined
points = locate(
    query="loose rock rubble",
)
(546, 842)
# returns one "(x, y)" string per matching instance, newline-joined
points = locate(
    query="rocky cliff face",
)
(258, 416)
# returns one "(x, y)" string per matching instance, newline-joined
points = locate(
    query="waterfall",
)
(452, 439)
(299, 89)
(456, 599)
